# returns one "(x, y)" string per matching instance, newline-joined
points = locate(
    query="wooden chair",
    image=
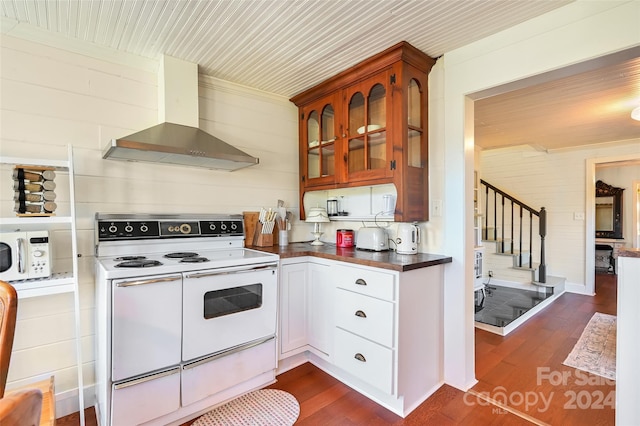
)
(21, 408)
(8, 311)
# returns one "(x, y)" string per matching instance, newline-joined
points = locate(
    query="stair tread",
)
(552, 281)
(525, 267)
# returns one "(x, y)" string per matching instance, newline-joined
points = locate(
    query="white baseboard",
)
(67, 401)
(577, 288)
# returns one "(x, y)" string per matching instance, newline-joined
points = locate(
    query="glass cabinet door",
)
(320, 142)
(367, 149)
(415, 127)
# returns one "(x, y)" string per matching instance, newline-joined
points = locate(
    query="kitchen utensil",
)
(408, 238)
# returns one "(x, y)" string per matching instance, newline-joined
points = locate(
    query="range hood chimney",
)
(177, 139)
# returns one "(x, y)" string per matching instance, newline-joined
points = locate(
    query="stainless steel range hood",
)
(178, 143)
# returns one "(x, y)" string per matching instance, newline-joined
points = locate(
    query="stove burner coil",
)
(138, 264)
(195, 259)
(120, 259)
(178, 255)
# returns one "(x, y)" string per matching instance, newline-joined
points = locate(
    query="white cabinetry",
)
(320, 308)
(64, 278)
(293, 307)
(628, 346)
(377, 330)
(306, 308)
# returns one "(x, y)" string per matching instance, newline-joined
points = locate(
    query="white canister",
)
(283, 237)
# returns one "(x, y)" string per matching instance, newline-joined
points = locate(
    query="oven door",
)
(146, 315)
(227, 307)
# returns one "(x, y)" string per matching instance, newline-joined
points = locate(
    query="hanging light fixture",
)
(635, 113)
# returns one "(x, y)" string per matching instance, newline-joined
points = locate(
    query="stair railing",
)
(521, 208)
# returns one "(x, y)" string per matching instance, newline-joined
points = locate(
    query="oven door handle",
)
(21, 253)
(227, 352)
(147, 378)
(237, 271)
(149, 281)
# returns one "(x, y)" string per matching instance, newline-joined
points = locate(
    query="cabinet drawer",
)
(365, 360)
(144, 399)
(365, 316)
(364, 281)
(209, 376)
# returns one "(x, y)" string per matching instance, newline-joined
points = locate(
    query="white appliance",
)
(24, 255)
(372, 239)
(186, 316)
(407, 238)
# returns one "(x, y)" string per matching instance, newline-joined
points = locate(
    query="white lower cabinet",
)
(368, 361)
(306, 308)
(379, 331)
(365, 316)
(293, 307)
(320, 308)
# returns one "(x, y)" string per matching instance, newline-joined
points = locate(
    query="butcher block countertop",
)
(384, 259)
(629, 252)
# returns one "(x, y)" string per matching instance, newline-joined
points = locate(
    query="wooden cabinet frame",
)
(394, 68)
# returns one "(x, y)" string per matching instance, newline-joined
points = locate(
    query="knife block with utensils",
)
(253, 231)
(260, 239)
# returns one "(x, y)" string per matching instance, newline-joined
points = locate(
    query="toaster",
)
(372, 239)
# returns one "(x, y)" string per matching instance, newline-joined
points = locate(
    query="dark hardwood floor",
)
(524, 370)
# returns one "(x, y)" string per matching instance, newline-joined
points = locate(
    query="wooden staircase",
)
(517, 232)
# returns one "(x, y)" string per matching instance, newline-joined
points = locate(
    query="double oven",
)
(186, 316)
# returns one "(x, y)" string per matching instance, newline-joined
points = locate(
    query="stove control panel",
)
(123, 230)
(155, 229)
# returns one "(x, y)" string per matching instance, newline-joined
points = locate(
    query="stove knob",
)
(128, 228)
(234, 226)
(223, 226)
(212, 226)
(113, 229)
(185, 228)
(144, 228)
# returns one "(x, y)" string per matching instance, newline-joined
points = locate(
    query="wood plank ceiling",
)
(286, 46)
(278, 46)
(586, 108)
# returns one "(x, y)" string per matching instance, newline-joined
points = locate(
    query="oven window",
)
(231, 300)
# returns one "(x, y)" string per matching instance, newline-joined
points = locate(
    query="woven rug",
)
(264, 407)
(595, 351)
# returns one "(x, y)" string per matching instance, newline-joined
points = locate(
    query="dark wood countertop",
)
(629, 252)
(383, 259)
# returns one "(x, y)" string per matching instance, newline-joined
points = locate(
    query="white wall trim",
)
(550, 42)
(590, 217)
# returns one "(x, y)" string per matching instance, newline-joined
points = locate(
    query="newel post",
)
(542, 270)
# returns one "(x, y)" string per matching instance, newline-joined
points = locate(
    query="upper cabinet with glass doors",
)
(368, 126)
(318, 138)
